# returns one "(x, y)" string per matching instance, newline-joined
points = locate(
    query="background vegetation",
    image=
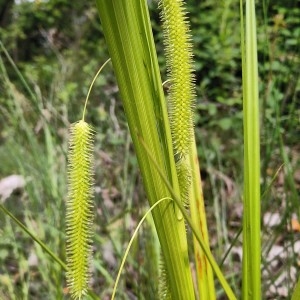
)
(50, 52)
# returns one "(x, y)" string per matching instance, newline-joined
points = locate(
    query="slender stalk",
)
(205, 279)
(195, 229)
(23, 80)
(36, 239)
(251, 221)
(91, 86)
(130, 243)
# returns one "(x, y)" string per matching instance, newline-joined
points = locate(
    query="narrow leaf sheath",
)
(79, 217)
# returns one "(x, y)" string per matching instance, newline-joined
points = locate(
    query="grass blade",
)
(251, 221)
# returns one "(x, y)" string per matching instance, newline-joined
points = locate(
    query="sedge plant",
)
(169, 142)
(162, 132)
(181, 102)
(251, 220)
(79, 213)
(144, 103)
(155, 137)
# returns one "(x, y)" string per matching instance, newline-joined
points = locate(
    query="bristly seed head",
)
(179, 65)
(79, 216)
(182, 91)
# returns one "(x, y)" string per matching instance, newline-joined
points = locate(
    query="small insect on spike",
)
(79, 217)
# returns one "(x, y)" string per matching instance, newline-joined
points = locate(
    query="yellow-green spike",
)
(179, 65)
(182, 92)
(79, 216)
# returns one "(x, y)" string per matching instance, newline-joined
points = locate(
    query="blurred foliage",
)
(58, 46)
(47, 37)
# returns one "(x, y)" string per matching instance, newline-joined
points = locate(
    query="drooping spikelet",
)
(79, 216)
(179, 65)
(184, 179)
(164, 292)
(182, 92)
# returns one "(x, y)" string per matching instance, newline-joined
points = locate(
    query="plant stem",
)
(251, 221)
(37, 240)
(129, 38)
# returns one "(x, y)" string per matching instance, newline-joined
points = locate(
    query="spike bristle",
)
(182, 92)
(179, 65)
(79, 216)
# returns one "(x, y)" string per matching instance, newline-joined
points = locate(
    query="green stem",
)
(37, 240)
(128, 33)
(251, 220)
(32, 95)
(130, 243)
(195, 229)
(94, 79)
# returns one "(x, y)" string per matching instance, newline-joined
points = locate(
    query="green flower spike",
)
(79, 217)
(179, 65)
(182, 92)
